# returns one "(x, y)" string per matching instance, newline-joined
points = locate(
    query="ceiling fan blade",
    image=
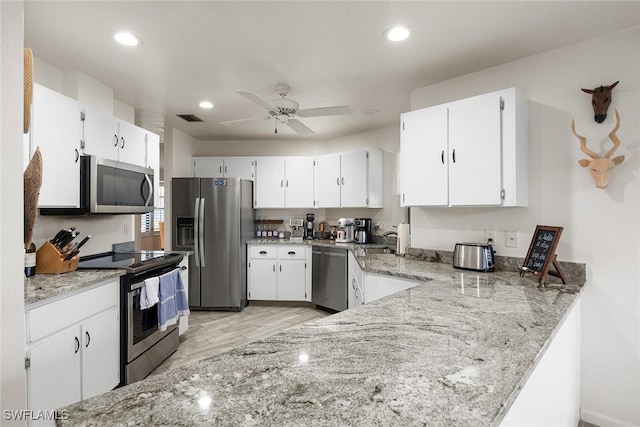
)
(299, 128)
(244, 120)
(325, 111)
(251, 96)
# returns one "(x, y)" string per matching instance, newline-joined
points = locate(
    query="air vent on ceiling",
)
(189, 117)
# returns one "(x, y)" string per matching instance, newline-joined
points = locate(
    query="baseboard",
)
(602, 420)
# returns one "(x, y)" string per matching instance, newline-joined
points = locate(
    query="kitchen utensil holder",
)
(50, 261)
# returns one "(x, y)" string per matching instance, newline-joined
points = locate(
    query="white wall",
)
(601, 227)
(12, 350)
(178, 149)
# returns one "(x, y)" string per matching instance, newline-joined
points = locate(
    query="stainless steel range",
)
(142, 345)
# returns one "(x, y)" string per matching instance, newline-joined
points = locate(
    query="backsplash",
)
(575, 272)
(104, 230)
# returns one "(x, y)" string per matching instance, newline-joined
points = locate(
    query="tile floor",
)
(215, 332)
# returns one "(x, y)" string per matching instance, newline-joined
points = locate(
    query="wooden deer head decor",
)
(600, 166)
(600, 100)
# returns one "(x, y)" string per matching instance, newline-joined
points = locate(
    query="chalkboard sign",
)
(542, 254)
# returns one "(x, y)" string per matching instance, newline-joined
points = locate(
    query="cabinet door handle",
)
(291, 253)
(115, 140)
(282, 183)
(454, 155)
(77, 345)
(122, 138)
(274, 268)
(442, 157)
(280, 268)
(77, 155)
(338, 181)
(220, 168)
(342, 180)
(287, 183)
(88, 339)
(225, 169)
(263, 252)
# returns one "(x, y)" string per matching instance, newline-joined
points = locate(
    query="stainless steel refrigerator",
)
(214, 218)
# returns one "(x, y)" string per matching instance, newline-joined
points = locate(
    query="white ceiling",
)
(329, 52)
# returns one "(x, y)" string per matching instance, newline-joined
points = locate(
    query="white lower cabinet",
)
(73, 348)
(279, 273)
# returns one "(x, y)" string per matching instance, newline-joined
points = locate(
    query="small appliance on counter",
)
(345, 230)
(309, 232)
(474, 256)
(297, 228)
(363, 230)
(323, 231)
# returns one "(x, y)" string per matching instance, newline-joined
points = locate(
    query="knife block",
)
(50, 261)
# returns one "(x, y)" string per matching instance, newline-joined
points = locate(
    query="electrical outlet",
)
(511, 239)
(490, 235)
(126, 229)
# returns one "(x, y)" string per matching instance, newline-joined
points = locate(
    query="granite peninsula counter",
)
(426, 355)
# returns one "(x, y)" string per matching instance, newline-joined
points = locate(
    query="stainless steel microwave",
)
(110, 187)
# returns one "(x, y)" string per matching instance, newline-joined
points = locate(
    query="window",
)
(155, 217)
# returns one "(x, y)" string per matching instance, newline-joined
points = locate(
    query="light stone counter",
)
(432, 354)
(43, 287)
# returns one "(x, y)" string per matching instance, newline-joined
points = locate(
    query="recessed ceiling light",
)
(206, 104)
(126, 39)
(397, 34)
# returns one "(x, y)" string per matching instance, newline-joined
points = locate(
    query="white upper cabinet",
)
(284, 182)
(471, 152)
(132, 144)
(100, 135)
(269, 189)
(107, 137)
(298, 182)
(350, 180)
(224, 167)
(327, 181)
(425, 160)
(56, 129)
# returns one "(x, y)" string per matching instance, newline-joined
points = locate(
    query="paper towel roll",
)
(403, 239)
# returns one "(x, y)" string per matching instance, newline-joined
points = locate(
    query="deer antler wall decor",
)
(600, 100)
(600, 166)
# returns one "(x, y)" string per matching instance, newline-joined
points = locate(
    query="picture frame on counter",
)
(542, 254)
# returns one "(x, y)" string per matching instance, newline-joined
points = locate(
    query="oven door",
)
(142, 328)
(118, 187)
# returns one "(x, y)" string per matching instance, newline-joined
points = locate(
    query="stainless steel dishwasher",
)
(329, 278)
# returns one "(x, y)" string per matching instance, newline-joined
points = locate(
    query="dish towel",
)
(173, 300)
(149, 293)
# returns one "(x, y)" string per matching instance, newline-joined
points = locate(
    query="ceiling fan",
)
(283, 110)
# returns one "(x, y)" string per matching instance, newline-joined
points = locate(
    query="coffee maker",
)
(363, 230)
(345, 230)
(308, 229)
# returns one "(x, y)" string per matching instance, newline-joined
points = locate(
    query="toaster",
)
(474, 256)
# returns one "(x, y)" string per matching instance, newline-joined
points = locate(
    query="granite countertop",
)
(43, 287)
(453, 350)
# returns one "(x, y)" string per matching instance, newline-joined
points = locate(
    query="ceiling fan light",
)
(126, 39)
(398, 33)
(206, 105)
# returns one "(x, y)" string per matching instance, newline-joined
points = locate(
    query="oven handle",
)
(136, 286)
(196, 242)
